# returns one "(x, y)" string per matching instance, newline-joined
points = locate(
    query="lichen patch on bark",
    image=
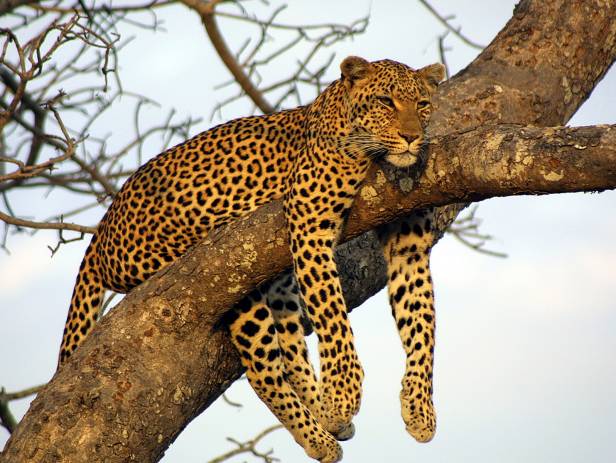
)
(552, 176)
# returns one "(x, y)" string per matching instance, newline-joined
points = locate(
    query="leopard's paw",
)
(325, 449)
(419, 417)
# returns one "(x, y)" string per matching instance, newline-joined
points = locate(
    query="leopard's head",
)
(389, 106)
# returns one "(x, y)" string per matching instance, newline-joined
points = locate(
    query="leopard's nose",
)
(410, 138)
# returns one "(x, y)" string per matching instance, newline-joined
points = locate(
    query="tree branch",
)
(206, 12)
(249, 447)
(6, 6)
(160, 358)
(9, 219)
(7, 420)
(525, 76)
(457, 31)
(161, 345)
(107, 8)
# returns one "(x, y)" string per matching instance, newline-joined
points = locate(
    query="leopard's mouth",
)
(405, 154)
(405, 159)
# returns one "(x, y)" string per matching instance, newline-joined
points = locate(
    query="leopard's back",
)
(175, 199)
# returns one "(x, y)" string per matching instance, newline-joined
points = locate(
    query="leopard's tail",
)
(86, 303)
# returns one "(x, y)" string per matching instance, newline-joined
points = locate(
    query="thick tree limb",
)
(159, 359)
(538, 70)
(165, 359)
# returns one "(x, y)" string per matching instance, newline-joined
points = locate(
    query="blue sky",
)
(525, 346)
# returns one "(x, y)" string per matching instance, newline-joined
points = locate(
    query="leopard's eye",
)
(386, 101)
(422, 104)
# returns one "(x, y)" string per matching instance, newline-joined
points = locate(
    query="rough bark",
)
(160, 358)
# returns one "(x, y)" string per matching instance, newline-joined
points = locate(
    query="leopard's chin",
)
(405, 159)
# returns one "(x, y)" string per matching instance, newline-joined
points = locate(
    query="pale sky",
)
(525, 350)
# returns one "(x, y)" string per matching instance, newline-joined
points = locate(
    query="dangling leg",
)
(283, 298)
(254, 335)
(407, 244)
(341, 374)
(315, 207)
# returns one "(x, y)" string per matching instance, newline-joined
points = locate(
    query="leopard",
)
(314, 158)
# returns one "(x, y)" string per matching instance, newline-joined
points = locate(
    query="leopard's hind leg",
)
(254, 334)
(284, 300)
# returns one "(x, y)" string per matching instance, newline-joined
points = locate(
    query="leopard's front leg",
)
(341, 374)
(315, 209)
(406, 247)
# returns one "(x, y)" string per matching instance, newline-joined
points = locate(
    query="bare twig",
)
(91, 169)
(46, 225)
(228, 401)
(254, 54)
(442, 49)
(466, 230)
(108, 8)
(7, 420)
(8, 396)
(62, 240)
(206, 11)
(455, 30)
(249, 447)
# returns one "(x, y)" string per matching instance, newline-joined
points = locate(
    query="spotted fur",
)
(406, 246)
(315, 158)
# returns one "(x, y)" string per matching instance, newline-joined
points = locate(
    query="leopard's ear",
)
(433, 74)
(355, 69)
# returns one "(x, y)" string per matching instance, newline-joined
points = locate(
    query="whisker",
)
(360, 143)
